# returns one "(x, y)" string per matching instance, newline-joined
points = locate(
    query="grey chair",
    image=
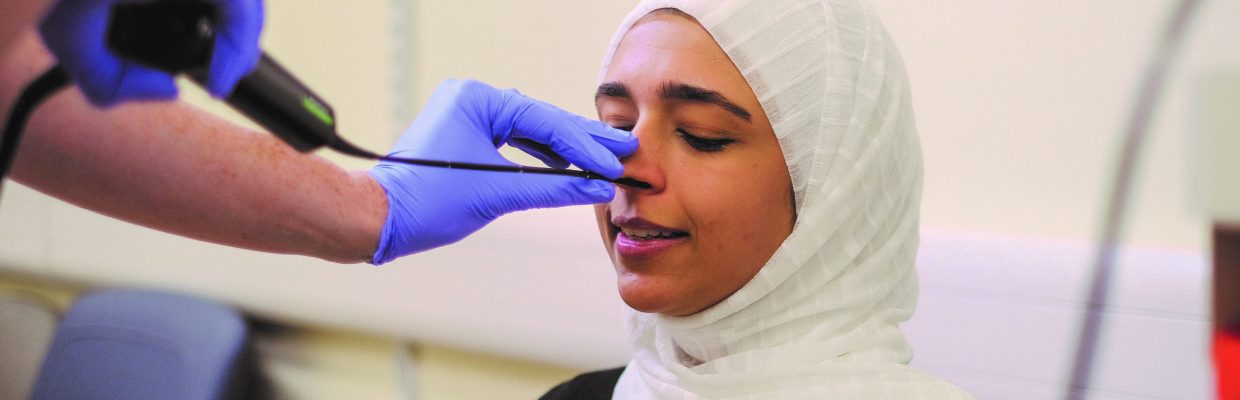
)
(145, 345)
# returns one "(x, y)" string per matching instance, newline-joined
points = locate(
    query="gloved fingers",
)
(75, 32)
(540, 151)
(591, 145)
(524, 192)
(236, 44)
(622, 143)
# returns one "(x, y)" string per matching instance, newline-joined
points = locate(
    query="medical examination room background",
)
(1019, 107)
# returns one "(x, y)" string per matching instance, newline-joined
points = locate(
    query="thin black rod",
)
(1135, 133)
(348, 148)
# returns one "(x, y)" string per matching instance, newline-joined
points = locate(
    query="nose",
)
(643, 165)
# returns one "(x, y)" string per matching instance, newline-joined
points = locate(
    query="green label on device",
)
(314, 107)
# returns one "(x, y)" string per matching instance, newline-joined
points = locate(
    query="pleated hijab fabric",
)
(820, 320)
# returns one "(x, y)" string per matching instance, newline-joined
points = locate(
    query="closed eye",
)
(703, 144)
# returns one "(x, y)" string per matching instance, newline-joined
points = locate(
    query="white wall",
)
(1020, 105)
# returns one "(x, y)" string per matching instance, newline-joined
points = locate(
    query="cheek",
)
(740, 222)
(600, 215)
(741, 201)
(604, 226)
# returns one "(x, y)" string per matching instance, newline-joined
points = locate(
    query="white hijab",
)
(820, 320)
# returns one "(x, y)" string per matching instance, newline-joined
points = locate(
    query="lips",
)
(636, 238)
(650, 234)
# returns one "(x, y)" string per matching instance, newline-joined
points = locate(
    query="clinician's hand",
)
(76, 32)
(468, 121)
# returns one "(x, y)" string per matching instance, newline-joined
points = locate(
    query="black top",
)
(597, 385)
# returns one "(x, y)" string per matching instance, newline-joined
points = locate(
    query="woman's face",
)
(721, 201)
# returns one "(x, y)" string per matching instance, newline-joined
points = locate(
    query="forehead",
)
(666, 46)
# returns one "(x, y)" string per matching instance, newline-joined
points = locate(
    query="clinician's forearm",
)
(174, 168)
(17, 16)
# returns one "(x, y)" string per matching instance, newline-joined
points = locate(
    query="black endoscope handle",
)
(177, 36)
(274, 99)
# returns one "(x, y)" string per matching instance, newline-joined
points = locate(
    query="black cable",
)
(41, 89)
(1135, 133)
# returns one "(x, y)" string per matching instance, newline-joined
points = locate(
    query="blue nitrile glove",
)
(467, 121)
(76, 33)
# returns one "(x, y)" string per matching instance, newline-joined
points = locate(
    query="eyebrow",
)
(678, 91)
(612, 89)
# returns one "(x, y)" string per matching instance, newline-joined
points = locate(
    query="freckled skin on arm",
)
(172, 167)
(1227, 277)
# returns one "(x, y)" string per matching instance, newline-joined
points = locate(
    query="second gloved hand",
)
(76, 32)
(467, 121)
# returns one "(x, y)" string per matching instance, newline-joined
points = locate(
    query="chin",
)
(641, 294)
